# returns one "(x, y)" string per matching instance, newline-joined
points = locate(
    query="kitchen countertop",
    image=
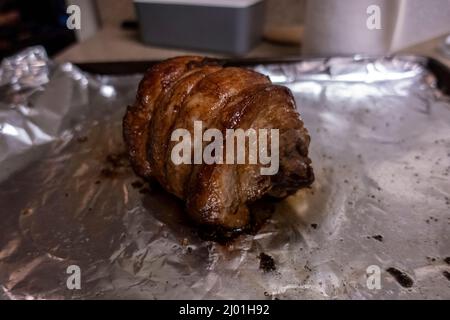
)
(113, 44)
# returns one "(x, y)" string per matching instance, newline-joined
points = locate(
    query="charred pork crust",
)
(179, 91)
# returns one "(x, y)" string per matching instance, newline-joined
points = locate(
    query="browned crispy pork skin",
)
(175, 93)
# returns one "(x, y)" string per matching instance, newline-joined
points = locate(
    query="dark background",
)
(25, 23)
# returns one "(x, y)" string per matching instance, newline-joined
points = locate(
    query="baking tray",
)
(437, 68)
(380, 130)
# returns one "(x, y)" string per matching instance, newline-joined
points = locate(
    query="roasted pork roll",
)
(219, 138)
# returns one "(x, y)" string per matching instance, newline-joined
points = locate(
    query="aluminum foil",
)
(381, 153)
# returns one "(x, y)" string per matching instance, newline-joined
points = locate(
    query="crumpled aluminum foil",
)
(381, 153)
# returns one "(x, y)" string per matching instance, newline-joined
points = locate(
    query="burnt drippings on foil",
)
(26, 212)
(401, 277)
(118, 160)
(431, 219)
(266, 262)
(377, 237)
(447, 260)
(446, 274)
(217, 234)
(108, 173)
(141, 186)
(114, 165)
(145, 186)
(137, 184)
(82, 139)
(144, 191)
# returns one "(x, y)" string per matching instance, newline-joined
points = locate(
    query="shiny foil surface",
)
(380, 205)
